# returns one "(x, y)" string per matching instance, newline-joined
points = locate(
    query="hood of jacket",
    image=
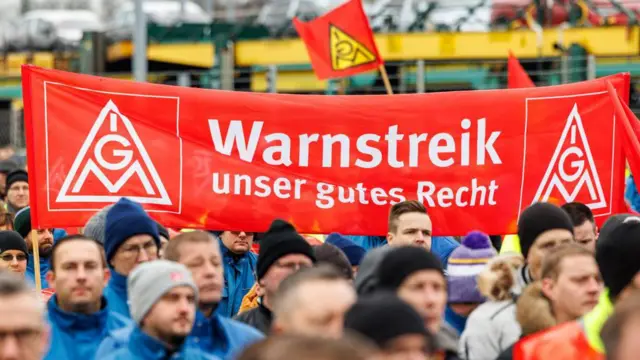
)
(533, 310)
(501, 276)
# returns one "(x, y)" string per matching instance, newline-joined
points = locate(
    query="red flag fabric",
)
(234, 161)
(629, 132)
(340, 43)
(517, 77)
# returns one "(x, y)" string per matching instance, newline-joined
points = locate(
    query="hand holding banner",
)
(235, 161)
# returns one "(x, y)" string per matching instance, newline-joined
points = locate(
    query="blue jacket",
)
(216, 335)
(140, 346)
(442, 246)
(631, 194)
(77, 336)
(239, 277)
(44, 268)
(116, 294)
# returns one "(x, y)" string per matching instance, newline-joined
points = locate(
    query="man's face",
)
(45, 241)
(18, 194)
(426, 292)
(135, 250)
(14, 260)
(577, 288)
(79, 276)
(414, 229)
(280, 269)
(543, 245)
(22, 329)
(205, 263)
(406, 347)
(319, 309)
(586, 235)
(171, 318)
(238, 242)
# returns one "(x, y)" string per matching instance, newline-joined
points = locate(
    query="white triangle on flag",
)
(586, 175)
(133, 167)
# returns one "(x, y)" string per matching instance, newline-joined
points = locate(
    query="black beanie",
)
(11, 240)
(538, 218)
(382, 317)
(618, 252)
(401, 262)
(281, 239)
(15, 176)
(162, 231)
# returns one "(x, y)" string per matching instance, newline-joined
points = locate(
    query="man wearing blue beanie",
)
(355, 253)
(130, 238)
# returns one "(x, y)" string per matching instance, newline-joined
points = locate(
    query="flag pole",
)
(385, 79)
(36, 260)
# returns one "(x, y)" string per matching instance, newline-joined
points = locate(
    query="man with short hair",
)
(163, 298)
(571, 281)
(95, 226)
(313, 302)
(282, 252)
(239, 269)
(78, 313)
(23, 328)
(22, 224)
(13, 252)
(584, 224)
(131, 238)
(17, 190)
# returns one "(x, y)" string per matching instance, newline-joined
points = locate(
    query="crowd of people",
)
(125, 287)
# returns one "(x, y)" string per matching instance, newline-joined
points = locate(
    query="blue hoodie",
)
(216, 335)
(239, 277)
(77, 336)
(442, 246)
(116, 294)
(140, 346)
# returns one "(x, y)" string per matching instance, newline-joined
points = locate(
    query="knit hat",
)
(464, 265)
(618, 251)
(126, 219)
(15, 176)
(281, 239)
(162, 231)
(401, 262)
(22, 221)
(331, 254)
(382, 317)
(150, 281)
(7, 166)
(367, 279)
(94, 228)
(538, 218)
(11, 240)
(354, 252)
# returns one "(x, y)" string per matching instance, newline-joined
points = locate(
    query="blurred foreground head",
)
(289, 347)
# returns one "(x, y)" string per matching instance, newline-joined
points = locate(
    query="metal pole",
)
(272, 79)
(420, 88)
(564, 69)
(591, 67)
(140, 43)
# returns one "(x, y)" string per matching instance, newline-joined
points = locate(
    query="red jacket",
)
(563, 342)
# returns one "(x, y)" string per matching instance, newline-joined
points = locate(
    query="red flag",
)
(517, 76)
(340, 43)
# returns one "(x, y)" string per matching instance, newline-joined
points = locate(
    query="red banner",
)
(230, 160)
(340, 43)
(517, 76)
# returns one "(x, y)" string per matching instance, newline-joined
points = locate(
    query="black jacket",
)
(260, 318)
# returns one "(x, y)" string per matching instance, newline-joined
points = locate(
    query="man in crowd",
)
(354, 252)
(620, 332)
(617, 252)
(163, 298)
(131, 238)
(392, 324)
(95, 226)
(22, 225)
(313, 302)
(282, 252)
(331, 255)
(571, 281)
(13, 252)
(239, 269)
(584, 225)
(78, 313)
(23, 328)
(17, 191)
(417, 277)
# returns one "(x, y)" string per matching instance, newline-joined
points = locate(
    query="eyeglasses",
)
(149, 248)
(10, 257)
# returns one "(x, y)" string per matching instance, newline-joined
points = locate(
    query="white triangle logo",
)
(580, 162)
(146, 172)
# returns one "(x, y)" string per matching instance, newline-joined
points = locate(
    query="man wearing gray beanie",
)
(162, 302)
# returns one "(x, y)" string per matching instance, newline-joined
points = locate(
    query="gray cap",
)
(94, 228)
(367, 277)
(150, 281)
